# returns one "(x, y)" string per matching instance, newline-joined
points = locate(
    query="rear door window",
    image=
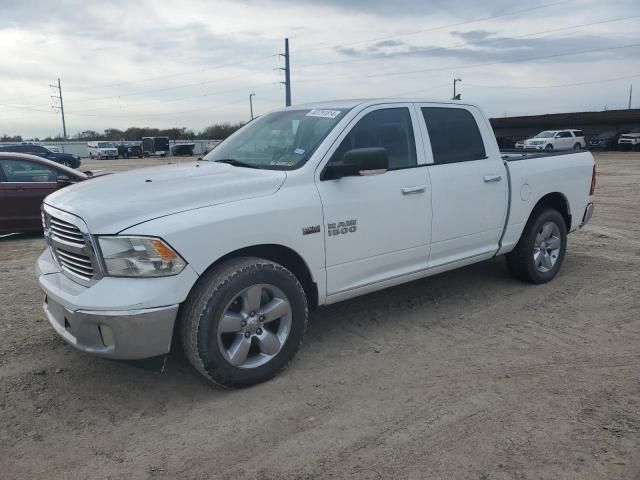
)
(454, 135)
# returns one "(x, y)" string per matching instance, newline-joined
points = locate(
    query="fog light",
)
(107, 336)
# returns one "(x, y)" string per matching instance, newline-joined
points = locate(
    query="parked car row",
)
(574, 139)
(66, 159)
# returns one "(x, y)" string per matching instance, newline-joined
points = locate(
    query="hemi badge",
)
(310, 230)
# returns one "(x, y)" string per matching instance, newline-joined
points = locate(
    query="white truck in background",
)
(300, 208)
(102, 150)
(551, 140)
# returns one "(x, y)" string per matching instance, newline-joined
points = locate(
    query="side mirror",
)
(63, 181)
(359, 161)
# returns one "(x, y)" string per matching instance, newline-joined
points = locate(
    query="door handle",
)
(411, 190)
(492, 178)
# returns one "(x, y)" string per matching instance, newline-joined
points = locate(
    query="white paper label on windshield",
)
(323, 113)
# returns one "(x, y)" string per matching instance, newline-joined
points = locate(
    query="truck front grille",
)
(70, 245)
(66, 232)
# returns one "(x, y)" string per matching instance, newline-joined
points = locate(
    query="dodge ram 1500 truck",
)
(302, 207)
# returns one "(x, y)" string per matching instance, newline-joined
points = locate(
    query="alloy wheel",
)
(254, 326)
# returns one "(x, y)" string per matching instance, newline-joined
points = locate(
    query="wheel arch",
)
(285, 256)
(557, 201)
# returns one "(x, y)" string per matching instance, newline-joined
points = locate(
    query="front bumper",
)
(120, 318)
(132, 334)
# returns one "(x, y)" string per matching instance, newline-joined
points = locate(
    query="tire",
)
(91, 155)
(522, 260)
(212, 329)
(66, 163)
(577, 146)
(99, 156)
(549, 148)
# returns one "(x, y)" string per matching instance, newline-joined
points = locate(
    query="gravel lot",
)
(468, 374)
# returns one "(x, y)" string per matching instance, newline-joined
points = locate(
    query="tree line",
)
(218, 131)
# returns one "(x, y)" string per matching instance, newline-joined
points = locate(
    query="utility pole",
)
(61, 106)
(251, 95)
(455, 97)
(630, 94)
(287, 73)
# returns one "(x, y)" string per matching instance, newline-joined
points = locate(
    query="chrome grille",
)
(71, 245)
(66, 232)
(78, 264)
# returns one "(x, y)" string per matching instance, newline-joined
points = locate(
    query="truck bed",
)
(513, 155)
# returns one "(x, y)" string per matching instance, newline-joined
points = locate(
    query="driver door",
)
(377, 227)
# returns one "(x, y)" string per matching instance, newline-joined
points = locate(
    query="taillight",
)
(593, 181)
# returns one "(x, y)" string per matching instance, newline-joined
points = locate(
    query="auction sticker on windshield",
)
(323, 113)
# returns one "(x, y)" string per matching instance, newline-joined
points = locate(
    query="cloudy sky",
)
(152, 63)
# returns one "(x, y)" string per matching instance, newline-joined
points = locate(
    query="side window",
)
(454, 135)
(25, 171)
(389, 128)
(36, 149)
(578, 133)
(564, 134)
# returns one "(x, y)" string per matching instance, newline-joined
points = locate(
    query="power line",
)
(458, 67)
(243, 62)
(466, 44)
(432, 29)
(576, 84)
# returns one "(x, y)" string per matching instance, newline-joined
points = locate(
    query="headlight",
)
(139, 257)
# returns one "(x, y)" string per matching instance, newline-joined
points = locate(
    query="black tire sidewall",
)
(542, 218)
(219, 369)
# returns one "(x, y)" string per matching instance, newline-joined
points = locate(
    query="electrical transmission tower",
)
(59, 106)
(287, 73)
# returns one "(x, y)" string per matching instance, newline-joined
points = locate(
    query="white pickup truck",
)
(302, 207)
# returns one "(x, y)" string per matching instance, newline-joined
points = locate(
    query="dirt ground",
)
(465, 375)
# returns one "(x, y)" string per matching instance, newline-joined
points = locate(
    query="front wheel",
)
(540, 251)
(549, 148)
(244, 321)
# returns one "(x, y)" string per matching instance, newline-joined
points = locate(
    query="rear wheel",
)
(577, 146)
(244, 321)
(540, 251)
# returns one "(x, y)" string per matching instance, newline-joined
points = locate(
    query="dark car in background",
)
(127, 151)
(155, 146)
(605, 141)
(24, 182)
(66, 159)
(182, 149)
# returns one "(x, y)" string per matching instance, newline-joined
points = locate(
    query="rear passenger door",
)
(468, 184)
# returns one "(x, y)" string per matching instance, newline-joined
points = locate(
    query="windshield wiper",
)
(236, 163)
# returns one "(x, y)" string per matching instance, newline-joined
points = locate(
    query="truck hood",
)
(113, 203)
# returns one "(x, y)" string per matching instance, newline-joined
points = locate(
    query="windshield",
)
(279, 140)
(106, 145)
(545, 134)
